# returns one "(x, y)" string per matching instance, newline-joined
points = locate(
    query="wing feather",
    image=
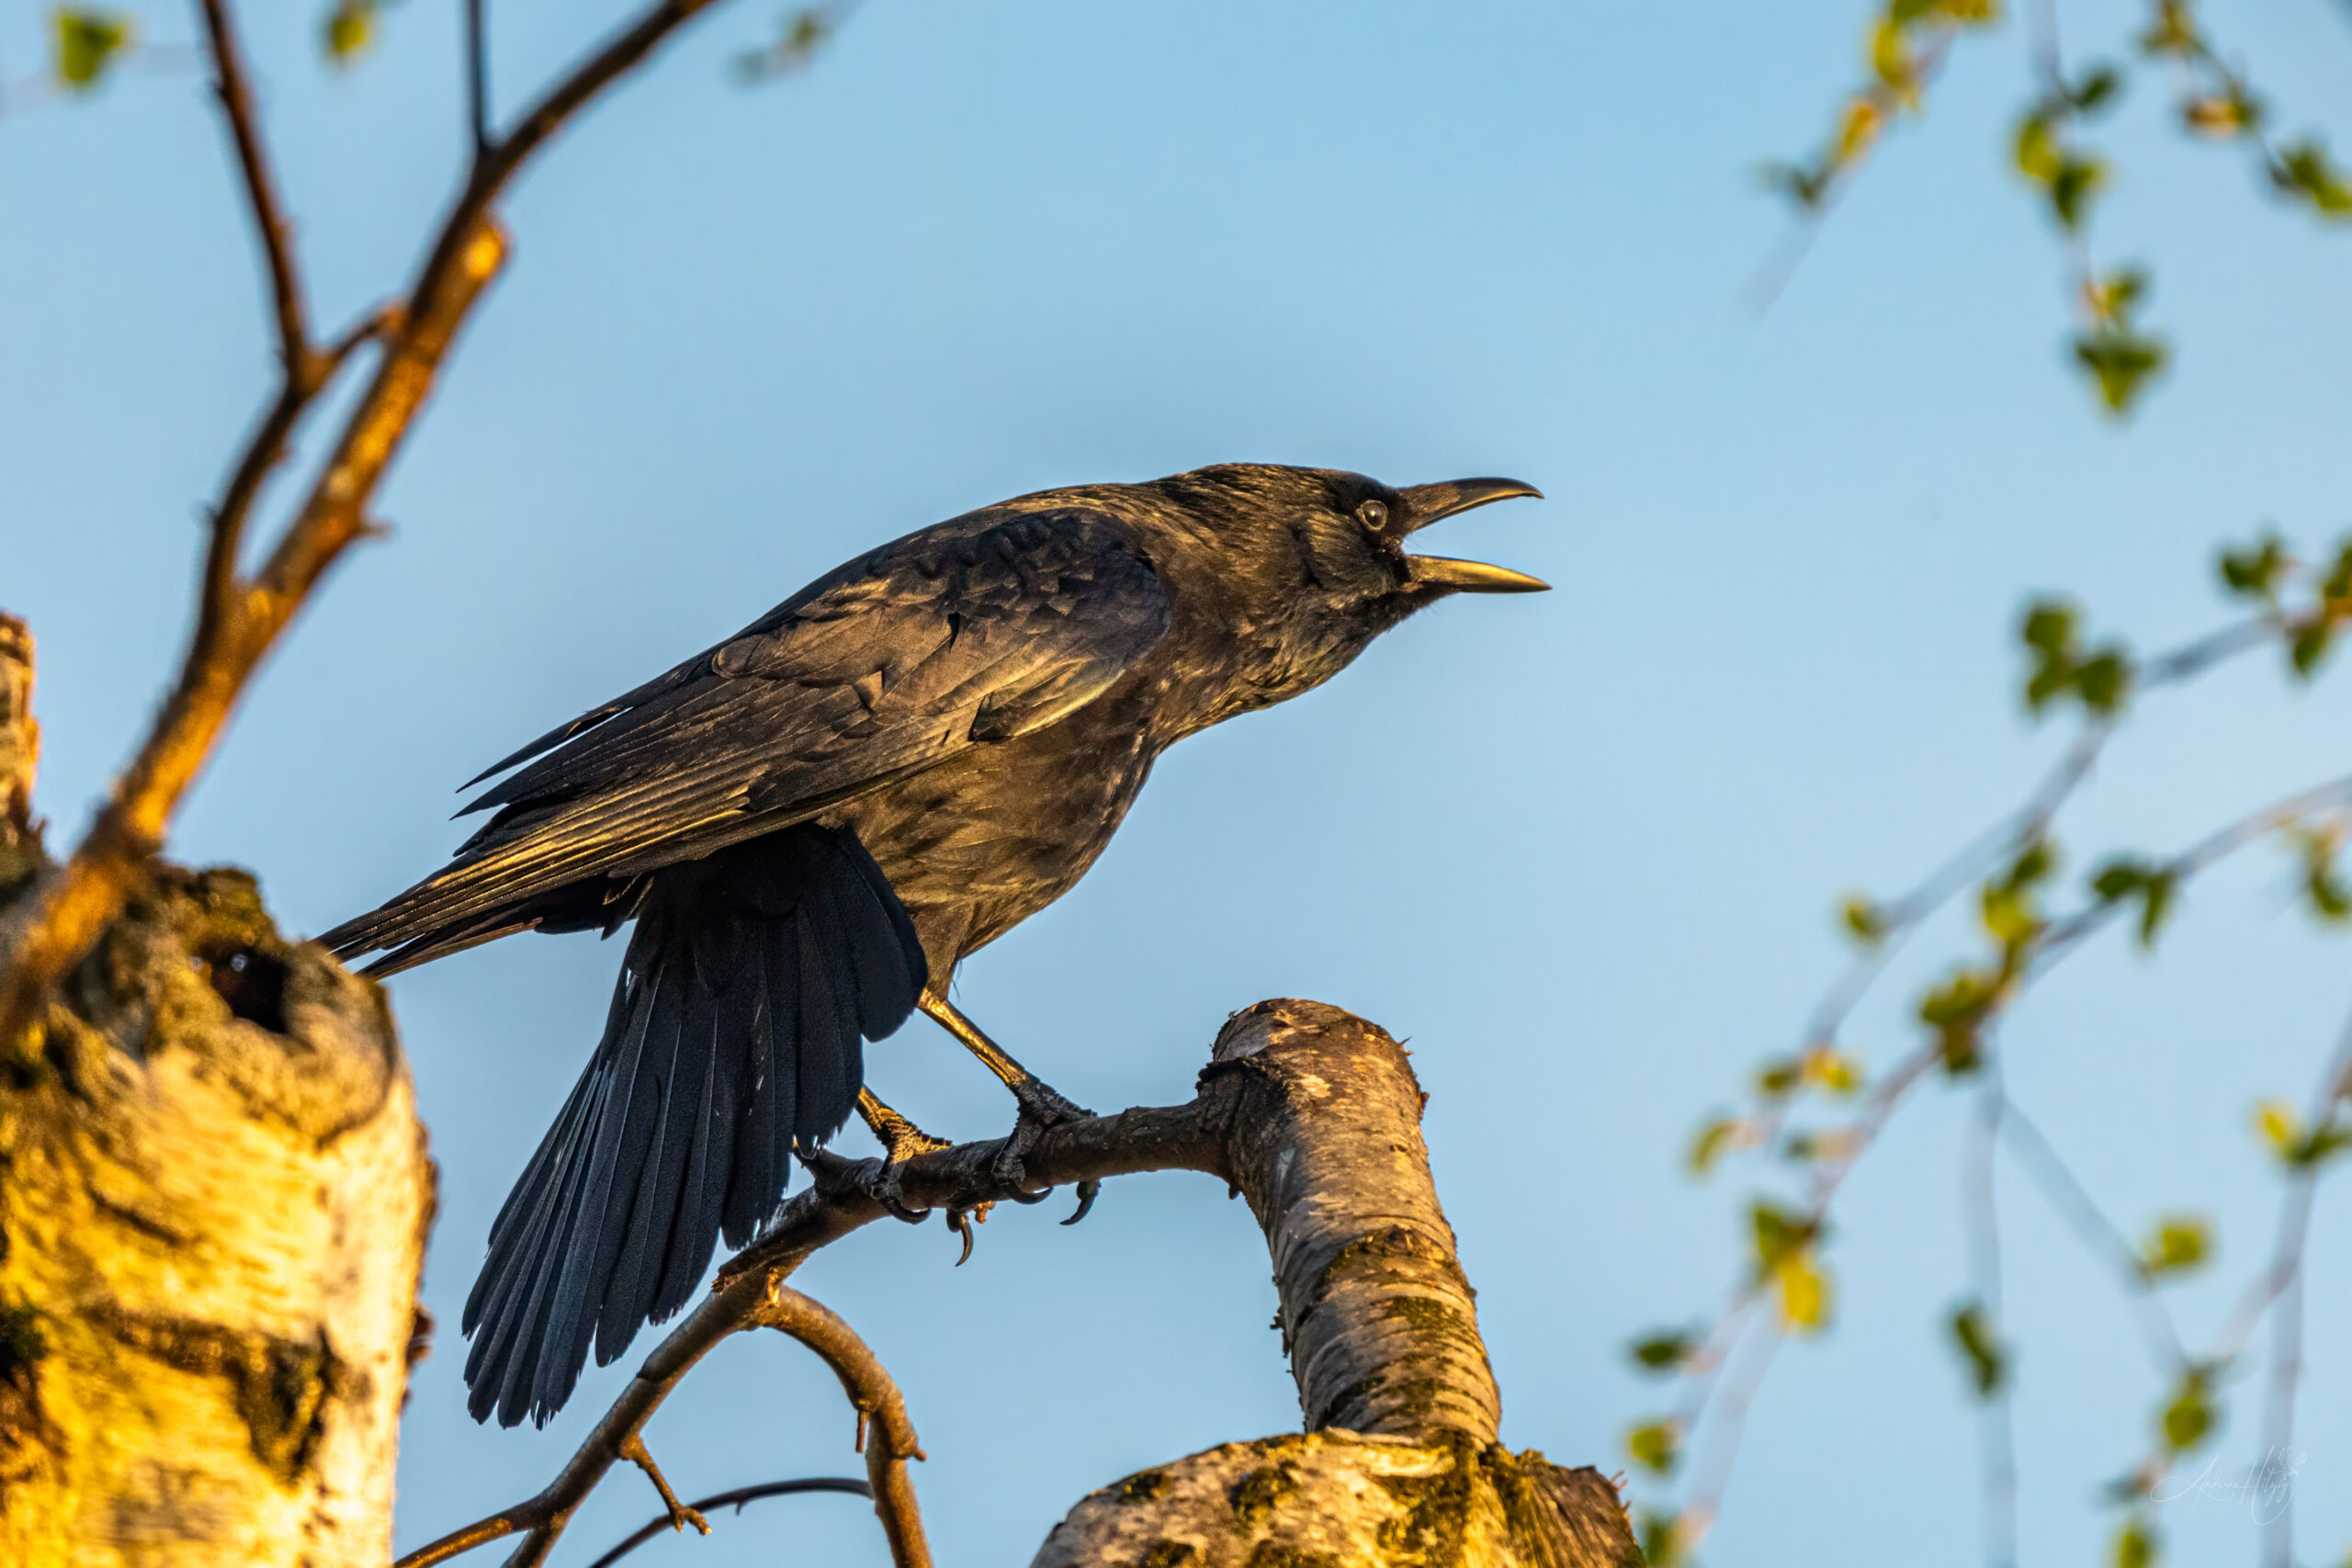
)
(958, 635)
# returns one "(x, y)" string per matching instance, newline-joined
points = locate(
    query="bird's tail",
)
(734, 1033)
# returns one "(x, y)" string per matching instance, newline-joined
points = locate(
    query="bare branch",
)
(477, 78)
(2049, 1171)
(754, 1300)
(884, 1431)
(1304, 1110)
(237, 623)
(621, 54)
(261, 194)
(735, 1499)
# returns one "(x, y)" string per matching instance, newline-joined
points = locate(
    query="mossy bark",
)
(214, 1194)
(1400, 1466)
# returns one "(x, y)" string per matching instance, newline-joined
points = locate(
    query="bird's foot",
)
(901, 1141)
(1041, 1107)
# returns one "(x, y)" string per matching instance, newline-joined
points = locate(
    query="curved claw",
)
(961, 1223)
(886, 1191)
(1088, 1190)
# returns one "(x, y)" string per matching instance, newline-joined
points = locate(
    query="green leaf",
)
(2096, 89)
(2279, 1126)
(2252, 572)
(2305, 170)
(2037, 150)
(2155, 906)
(1781, 1235)
(2178, 1243)
(2309, 649)
(2009, 914)
(2113, 296)
(1825, 1067)
(2121, 361)
(1661, 1539)
(2135, 1545)
(1711, 1141)
(2337, 587)
(2173, 31)
(2323, 887)
(1971, 1332)
(349, 30)
(2073, 185)
(1664, 1351)
(85, 42)
(2125, 878)
(1804, 184)
(1863, 920)
(2048, 633)
(2048, 627)
(2102, 680)
(2324, 1144)
(801, 35)
(2188, 1419)
(1805, 1292)
(1956, 1010)
(1655, 1447)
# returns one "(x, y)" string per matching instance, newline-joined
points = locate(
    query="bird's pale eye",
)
(1374, 514)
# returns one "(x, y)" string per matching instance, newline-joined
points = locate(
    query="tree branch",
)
(735, 1499)
(884, 1431)
(237, 621)
(1309, 1112)
(269, 217)
(754, 1301)
(477, 78)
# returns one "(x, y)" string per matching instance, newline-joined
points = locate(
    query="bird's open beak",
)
(1427, 504)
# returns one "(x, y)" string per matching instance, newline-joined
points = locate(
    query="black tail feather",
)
(735, 1032)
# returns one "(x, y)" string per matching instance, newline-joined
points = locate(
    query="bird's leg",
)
(1041, 1107)
(901, 1141)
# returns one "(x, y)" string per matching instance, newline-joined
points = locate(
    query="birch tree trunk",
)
(214, 1195)
(1400, 1463)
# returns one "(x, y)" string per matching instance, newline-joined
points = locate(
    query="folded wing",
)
(952, 637)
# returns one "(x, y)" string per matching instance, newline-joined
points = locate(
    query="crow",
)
(811, 823)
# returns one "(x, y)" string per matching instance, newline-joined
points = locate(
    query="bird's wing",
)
(949, 638)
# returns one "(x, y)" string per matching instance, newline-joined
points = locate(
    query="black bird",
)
(814, 821)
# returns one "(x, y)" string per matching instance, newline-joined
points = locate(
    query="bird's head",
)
(1306, 566)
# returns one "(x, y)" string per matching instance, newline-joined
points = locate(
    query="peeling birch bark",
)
(214, 1195)
(1400, 1463)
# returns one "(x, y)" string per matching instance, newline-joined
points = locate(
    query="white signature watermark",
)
(2265, 1488)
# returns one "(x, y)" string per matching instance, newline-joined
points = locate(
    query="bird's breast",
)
(990, 837)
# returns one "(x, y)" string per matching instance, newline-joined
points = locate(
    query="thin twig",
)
(275, 234)
(633, 1449)
(239, 623)
(477, 78)
(1719, 1390)
(2049, 1171)
(735, 1499)
(884, 1433)
(1981, 1218)
(2287, 1319)
(2062, 936)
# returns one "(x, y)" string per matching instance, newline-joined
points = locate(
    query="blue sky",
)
(1582, 849)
